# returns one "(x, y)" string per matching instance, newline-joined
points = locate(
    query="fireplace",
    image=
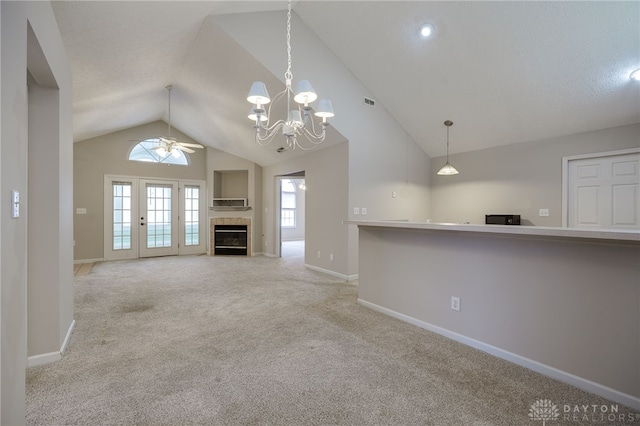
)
(233, 238)
(230, 240)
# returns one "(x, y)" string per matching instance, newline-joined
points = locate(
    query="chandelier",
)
(299, 127)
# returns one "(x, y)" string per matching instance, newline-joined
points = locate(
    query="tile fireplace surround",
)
(228, 221)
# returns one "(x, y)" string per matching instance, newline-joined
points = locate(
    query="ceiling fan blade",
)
(191, 145)
(182, 148)
(167, 141)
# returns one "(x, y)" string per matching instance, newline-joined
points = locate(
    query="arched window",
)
(146, 151)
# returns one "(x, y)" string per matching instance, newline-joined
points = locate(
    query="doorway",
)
(291, 223)
(153, 217)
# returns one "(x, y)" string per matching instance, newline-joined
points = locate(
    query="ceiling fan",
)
(169, 145)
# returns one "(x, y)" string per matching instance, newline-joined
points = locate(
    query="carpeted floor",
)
(264, 341)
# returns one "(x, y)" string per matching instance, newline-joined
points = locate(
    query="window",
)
(288, 204)
(191, 212)
(121, 216)
(159, 216)
(145, 151)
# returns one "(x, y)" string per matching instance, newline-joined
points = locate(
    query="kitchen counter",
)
(563, 302)
(602, 235)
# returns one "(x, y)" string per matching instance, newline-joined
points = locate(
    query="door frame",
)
(565, 175)
(278, 214)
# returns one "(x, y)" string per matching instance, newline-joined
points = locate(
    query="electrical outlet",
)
(363, 210)
(544, 212)
(393, 194)
(331, 257)
(318, 254)
(356, 210)
(455, 303)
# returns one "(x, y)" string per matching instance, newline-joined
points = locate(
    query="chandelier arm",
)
(266, 139)
(312, 131)
(313, 142)
(269, 132)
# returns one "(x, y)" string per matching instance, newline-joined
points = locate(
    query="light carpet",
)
(265, 341)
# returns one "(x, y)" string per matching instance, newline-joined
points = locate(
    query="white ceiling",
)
(504, 72)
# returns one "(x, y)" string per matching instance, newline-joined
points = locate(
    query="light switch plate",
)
(15, 204)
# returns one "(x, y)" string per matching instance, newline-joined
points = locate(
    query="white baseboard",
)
(571, 379)
(348, 278)
(79, 261)
(42, 359)
(48, 358)
(65, 342)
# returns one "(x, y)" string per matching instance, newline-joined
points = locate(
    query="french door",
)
(158, 214)
(153, 217)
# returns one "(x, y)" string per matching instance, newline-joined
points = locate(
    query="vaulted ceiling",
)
(504, 72)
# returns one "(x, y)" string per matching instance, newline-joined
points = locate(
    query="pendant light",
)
(448, 169)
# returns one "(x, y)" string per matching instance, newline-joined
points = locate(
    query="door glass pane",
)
(158, 216)
(121, 216)
(191, 225)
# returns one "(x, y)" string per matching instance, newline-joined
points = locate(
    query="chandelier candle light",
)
(299, 121)
(448, 169)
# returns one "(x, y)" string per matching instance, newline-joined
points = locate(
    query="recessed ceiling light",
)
(426, 30)
(635, 75)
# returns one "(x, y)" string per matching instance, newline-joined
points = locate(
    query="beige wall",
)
(326, 201)
(34, 129)
(565, 304)
(516, 179)
(96, 157)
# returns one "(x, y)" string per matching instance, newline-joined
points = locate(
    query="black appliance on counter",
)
(502, 219)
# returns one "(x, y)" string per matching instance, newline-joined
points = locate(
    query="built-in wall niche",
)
(231, 184)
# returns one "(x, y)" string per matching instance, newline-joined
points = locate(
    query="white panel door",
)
(604, 192)
(158, 224)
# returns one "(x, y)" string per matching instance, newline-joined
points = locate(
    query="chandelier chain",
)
(288, 75)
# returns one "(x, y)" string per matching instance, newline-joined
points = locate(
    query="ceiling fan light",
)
(635, 75)
(305, 93)
(175, 153)
(258, 94)
(161, 151)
